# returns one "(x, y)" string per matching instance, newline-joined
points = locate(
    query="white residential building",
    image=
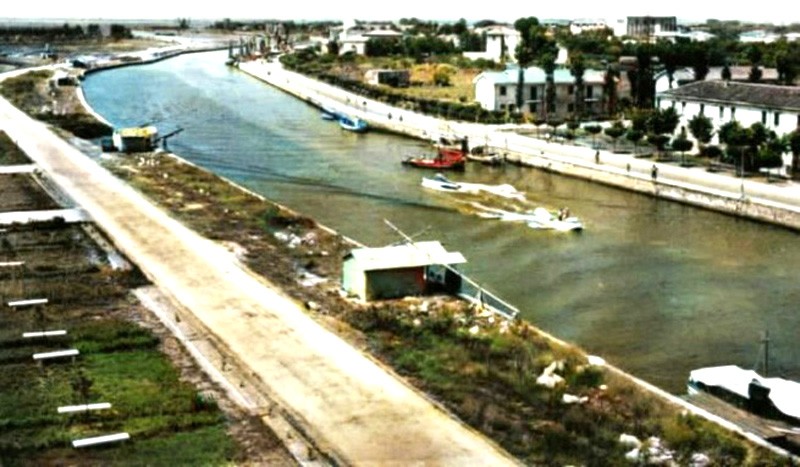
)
(497, 90)
(578, 26)
(501, 41)
(758, 36)
(776, 107)
(353, 36)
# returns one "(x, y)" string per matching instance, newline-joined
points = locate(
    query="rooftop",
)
(750, 94)
(138, 132)
(408, 255)
(537, 75)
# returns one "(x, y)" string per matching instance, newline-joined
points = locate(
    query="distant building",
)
(776, 107)
(352, 36)
(400, 271)
(647, 27)
(501, 42)
(758, 36)
(683, 76)
(393, 78)
(497, 90)
(579, 26)
(673, 36)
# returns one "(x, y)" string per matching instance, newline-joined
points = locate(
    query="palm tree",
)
(548, 63)
(534, 44)
(526, 52)
(794, 145)
(577, 66)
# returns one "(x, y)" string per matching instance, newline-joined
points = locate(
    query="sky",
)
(765, 11)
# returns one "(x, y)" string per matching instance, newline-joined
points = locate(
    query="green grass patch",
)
(10, 153)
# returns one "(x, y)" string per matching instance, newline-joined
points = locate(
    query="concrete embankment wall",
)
(776, 204)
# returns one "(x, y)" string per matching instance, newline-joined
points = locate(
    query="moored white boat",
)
(776, 397)
(354, 124)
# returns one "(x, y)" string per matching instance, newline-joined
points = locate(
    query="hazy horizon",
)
(152, 10)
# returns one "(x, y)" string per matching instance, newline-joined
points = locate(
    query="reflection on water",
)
(655, 287)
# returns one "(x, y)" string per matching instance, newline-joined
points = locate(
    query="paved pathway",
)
(352, 407)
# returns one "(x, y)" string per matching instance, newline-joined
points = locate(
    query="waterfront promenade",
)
(354, 409)
(777, 203)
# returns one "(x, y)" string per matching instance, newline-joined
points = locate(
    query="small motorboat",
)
(354, 124)
(541, 218)
(441, 183)
(330, 114)
(450, 153)
(486, 159)
(436, 163)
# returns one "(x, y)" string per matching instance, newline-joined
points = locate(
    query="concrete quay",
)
(775, 203)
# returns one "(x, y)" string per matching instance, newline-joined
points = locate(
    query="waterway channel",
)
(655, 287)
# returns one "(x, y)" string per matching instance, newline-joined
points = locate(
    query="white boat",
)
(769, 396)
(540, 218)
(561, 221)
(441, 183)
(486, 159)
(353, 124)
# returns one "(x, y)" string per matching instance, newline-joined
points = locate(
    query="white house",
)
(694, 36)
(500, 40)
(497, 90)
(578, 26)
(777, 107)
(352, 35)
(683, 76)
(758, 36)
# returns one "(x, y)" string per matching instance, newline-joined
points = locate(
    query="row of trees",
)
(748, 148)
(66, 31)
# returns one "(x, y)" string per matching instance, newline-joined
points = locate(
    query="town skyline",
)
(320, 11)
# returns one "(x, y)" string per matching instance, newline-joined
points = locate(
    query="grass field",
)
(120, 362)
(10, 153)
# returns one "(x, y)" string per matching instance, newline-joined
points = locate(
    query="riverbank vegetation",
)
(545, 403)
(37, 95)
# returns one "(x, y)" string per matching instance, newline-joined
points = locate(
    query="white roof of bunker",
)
(408, 255)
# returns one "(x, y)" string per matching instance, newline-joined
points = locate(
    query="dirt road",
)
(350, 406)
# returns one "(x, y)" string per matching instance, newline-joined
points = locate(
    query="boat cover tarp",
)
(785, 394)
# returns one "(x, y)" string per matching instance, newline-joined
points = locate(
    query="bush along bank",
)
(34, 93)
(545, 403)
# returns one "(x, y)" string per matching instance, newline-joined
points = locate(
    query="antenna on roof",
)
(481, 294)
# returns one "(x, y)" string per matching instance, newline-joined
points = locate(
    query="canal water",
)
(655, 287)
